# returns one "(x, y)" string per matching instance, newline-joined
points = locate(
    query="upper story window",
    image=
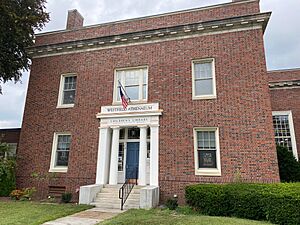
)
(135, 83)
(284, 130)
(67, 90)
(204, 82)
(60, 152)
(207, 152)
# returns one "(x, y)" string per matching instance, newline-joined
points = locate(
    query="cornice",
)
(162, 34)
(284, 84)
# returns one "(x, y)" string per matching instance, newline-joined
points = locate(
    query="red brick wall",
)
(287, 99)
(220, 12)
(10, 135)
(242, 110)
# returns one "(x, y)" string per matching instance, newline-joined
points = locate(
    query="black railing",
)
(127, 187)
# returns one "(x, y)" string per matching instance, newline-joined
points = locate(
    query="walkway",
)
(88, 217)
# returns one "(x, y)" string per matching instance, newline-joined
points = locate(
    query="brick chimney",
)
(74, 20)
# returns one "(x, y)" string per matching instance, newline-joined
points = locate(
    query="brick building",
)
(200, 109)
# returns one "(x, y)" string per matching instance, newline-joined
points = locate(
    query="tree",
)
(19, 19)
(289, 167)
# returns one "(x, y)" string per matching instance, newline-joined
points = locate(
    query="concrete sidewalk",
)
(87, 217)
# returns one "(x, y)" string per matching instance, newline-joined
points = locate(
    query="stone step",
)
(116, 191)
(112, 195)
(115, 206)
(115, 201)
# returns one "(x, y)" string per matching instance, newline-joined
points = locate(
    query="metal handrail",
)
(127, 187)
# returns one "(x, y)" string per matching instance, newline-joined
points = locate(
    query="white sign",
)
(130, 108)
(129, 121)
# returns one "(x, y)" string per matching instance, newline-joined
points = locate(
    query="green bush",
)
(277, 203)
(172, 203)
(66, 197)
(289, 167)
(7, 176)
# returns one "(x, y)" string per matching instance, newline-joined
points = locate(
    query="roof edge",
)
(148, 17)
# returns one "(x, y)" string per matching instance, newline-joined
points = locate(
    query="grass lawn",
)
(158, 216)
(33, 213)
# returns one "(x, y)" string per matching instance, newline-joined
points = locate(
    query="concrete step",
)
(115, 206)
(113, 201)
(116, 191)
(112, 195)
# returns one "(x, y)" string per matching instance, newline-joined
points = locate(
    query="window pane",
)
(122, 133)
(203, 87)
(148, 149)
(144, 76)
(121, 157)
(132, 77)
(62, 158)
(133, 92)
(134, 133)
(70, 83)
(207, 159)
(69, 97)
(282, 131)
(203, 70)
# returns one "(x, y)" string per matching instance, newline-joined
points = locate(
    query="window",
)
(204, 84)
(284, 130)
(67, 91)
(12, 151)
(135, 83)
(60, 152)
(207, 151)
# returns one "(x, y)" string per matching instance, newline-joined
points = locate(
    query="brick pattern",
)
(10, 135)
(286, 99)
(227, 11)
(284, 75)
(242, 110)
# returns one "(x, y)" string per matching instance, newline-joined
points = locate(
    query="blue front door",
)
(132, 160)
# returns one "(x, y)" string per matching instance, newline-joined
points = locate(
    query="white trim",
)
(207, 171)
(61, 91)
(150, 17)
(292, 130)
(254, 27)
(212, 96)
(141, 100)
(53, 168)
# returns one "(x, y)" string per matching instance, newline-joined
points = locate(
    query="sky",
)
(282, 37)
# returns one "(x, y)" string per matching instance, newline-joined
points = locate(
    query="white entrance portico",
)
(124, 140)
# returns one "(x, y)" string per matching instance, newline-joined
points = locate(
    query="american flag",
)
(123, 98)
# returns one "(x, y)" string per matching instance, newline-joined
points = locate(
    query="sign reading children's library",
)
(131, 108)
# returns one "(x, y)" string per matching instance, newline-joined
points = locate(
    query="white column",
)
(113, 172)
(154, 154)
(103, 156)
(143, 156)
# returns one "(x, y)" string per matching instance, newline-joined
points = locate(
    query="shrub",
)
(7, 176)
(66, 197)
(23, 194)
(172, 203)
(289, 167)
(277, 203)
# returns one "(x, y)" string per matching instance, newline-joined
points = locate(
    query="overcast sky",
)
(282, 37)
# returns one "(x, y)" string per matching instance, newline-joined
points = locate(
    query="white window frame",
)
(292, 130)
(61, 91)
(115, 92)
(207, 171)
(53, 168)
(211, 96)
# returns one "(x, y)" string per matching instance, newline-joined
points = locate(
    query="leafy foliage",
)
(172, 203)
(66, 197)
(277, 203)
(23, 194)
(289, 167)
(18, 21)
(7, 176)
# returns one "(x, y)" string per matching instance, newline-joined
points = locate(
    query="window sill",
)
(58, 170)
(65, 106)
(135, 102)
(208, 172)
(204, 97)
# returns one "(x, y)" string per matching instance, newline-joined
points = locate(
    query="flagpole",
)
(121, 86)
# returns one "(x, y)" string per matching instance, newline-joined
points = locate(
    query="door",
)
(132, 160)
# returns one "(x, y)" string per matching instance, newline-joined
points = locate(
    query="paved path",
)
(87, 217)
